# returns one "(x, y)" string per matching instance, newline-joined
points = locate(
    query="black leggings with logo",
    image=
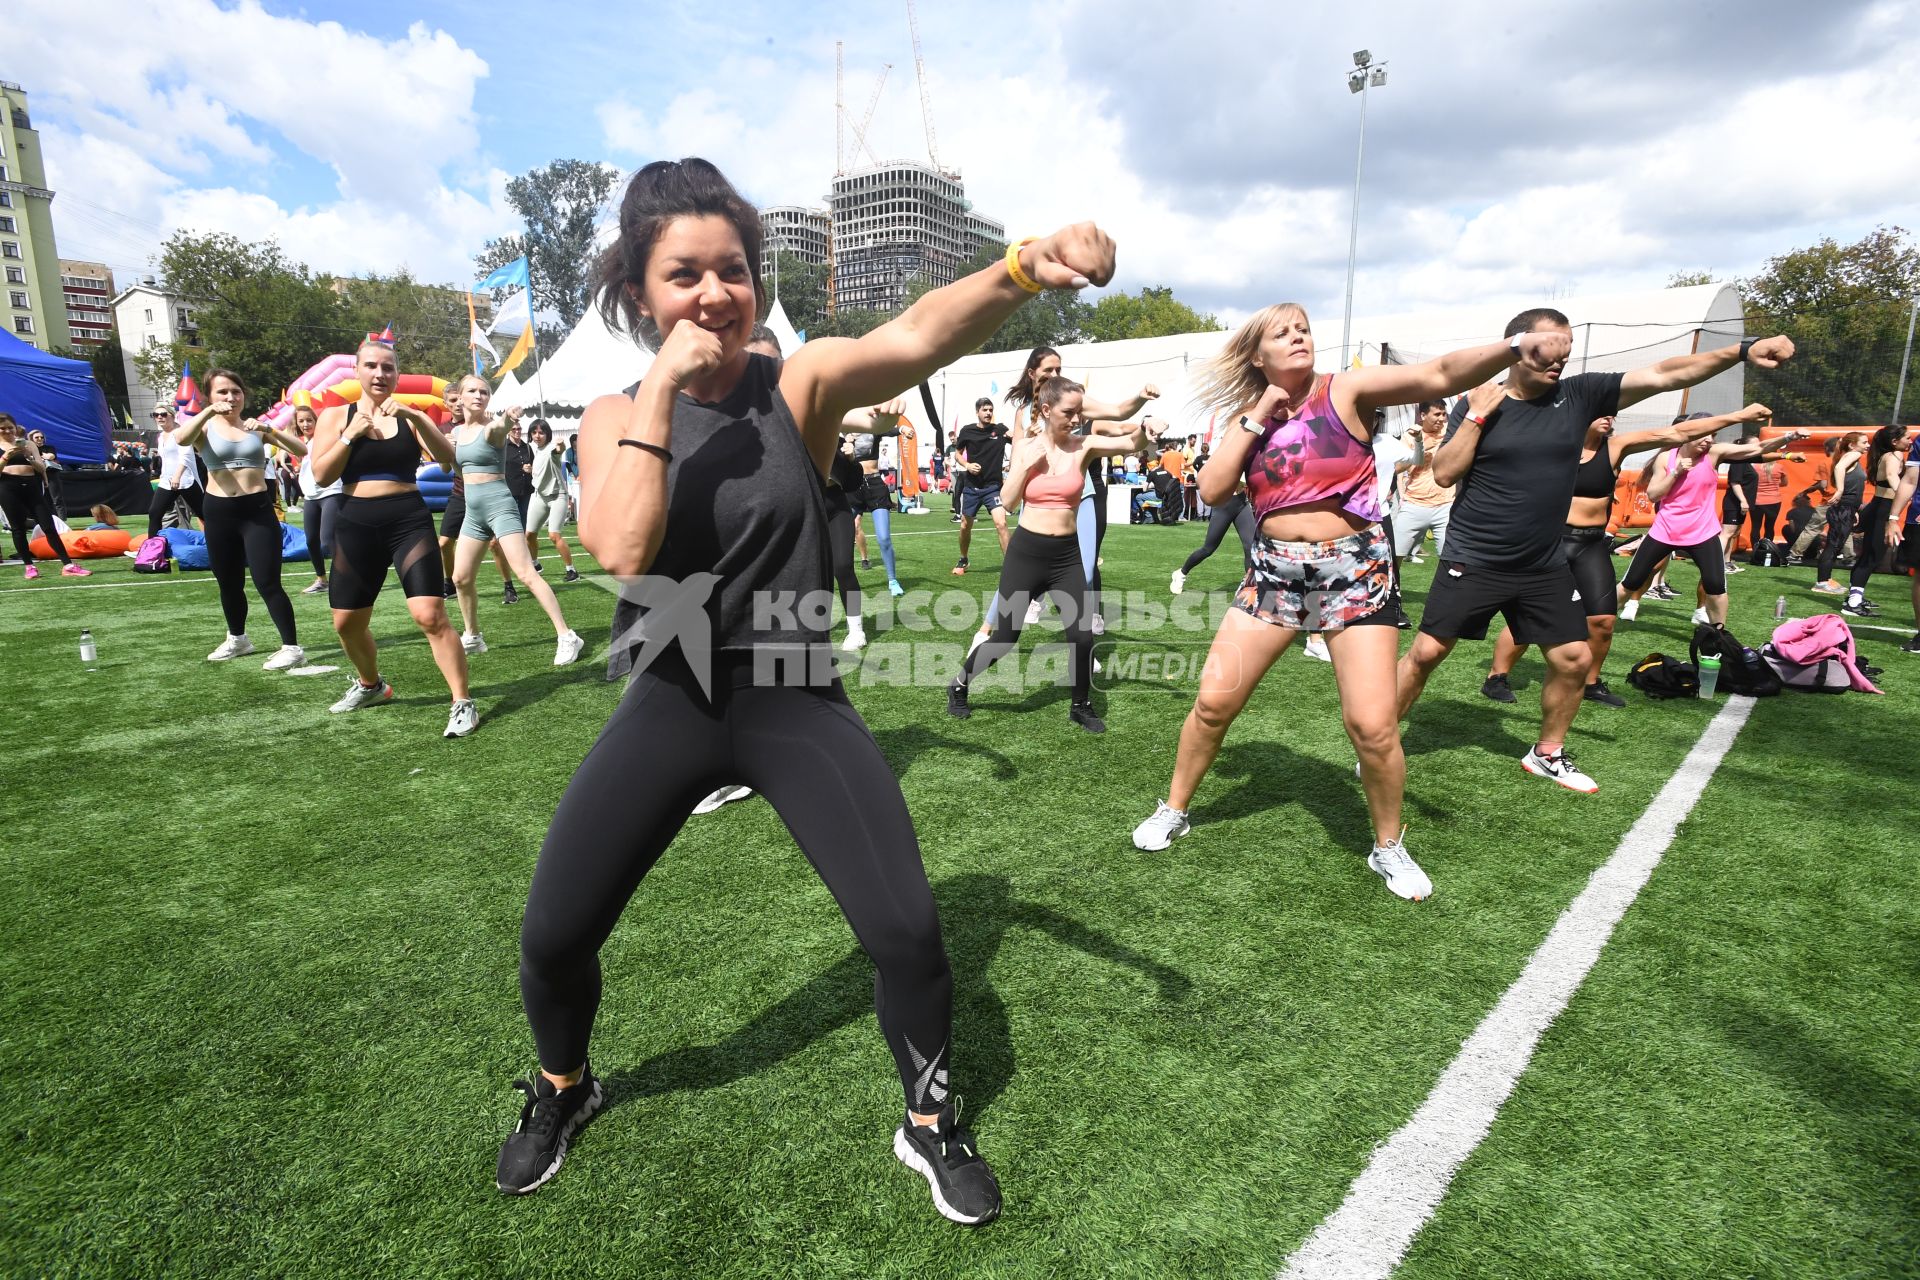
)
(810, 754)
(243, 536)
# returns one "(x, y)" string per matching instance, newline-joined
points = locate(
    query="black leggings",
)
(243, 536)
(1706, 556)
(1099, 531)
(1233, 513)
(317, 516)
(163, 502)
(840, 525)
(1763, 520)
(809, 753)
(25, 501)
(1873, 541)
(1035, 563)
(1842, 516)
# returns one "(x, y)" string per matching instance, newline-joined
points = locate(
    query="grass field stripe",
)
(103, 586)
(1404, 1182)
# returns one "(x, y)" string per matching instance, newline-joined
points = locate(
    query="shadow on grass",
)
(977, 910)
(905, 744)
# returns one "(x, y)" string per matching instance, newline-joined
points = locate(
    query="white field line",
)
(1408, 1175)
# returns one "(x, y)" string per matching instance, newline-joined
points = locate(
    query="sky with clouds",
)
(1517, 152)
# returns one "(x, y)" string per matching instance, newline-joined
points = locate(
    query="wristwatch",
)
(1248, 425)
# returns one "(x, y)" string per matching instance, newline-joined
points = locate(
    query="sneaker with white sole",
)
(1392, 863)
(569, 648)
(1179, 582)
(979, 638)
(232, 647)
(1629, 611)
(1034, 611)
(1166, 825)
(856, 639)
(725, 795)
(571, 575)
(463, 720)
(1699, 616)
(359, 695)
(548, 1121)
(473, 642)
(287, 655)
(1560, 767)
(964, 1188)
(317, 588)
(1317, 648)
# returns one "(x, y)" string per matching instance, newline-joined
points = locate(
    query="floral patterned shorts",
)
(1320, 586)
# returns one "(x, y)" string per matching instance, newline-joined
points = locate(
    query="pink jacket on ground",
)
(1810, 640)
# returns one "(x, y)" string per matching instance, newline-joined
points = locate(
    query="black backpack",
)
(1742, 670)
(1659, 676)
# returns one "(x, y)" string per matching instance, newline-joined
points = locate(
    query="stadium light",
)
(1357, 82)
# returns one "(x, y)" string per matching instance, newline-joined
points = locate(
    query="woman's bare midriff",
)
(243, 483)
(1050, 521)
(1590, 513)
(1323, 521)
(377, 489)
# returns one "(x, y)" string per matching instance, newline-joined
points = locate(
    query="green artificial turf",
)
(261, 1011)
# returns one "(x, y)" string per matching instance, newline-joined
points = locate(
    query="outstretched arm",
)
(1690, 370)
(1684, 432)
(1362, 391)
(829, 376)
(1092, 410)
(1757, 449)
(879, 420)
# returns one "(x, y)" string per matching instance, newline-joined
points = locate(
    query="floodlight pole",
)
(1366, 73)
(1900, 390)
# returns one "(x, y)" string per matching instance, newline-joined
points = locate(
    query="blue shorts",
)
(971, 500)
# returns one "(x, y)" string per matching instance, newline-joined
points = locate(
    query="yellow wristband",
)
(1020, 277)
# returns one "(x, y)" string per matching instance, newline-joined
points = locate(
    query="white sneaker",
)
(1700, 615)
(464, 719)
(1034, 611)
(232, 647)
(725, 795)
(1403, 875)
(1179, 582)
(569, 649)
(359, 695)
(1561, 768)
(1160, 830)
(979, 638)
(1317, 647)
(1097, 625)
(1629, 611)
(287, 655)
(856, 638)
(473, 642)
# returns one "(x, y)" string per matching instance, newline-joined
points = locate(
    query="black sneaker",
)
(1082, 715)
(964, 1189)
(956, 517)
(548, 1121)
(957, 702)
(510, 596)
(1496, 688)
(448, 589)
(865, 563)
(960, 566)
(1598, 692)
(1913, 645)
(538, 567)
(1861, 608)
(572, 575)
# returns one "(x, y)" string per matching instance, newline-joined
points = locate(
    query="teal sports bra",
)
(479, 455)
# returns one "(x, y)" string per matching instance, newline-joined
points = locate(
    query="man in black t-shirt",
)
(1511, 452)
(980, 456)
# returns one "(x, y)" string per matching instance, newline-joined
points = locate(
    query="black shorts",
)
(1590, 557)
(873, 496)
(455, 514)
(1731, 512)
(1907, 555)
(372, 535)
(1543, 607)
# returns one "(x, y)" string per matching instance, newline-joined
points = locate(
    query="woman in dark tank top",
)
(703, 491)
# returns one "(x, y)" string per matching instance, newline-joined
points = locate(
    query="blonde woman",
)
(1322, 563)
(479, 441)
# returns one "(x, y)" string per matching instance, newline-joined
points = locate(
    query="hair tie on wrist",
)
(654, 449)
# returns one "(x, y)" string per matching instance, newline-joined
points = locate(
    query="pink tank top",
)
(1060, 490)
(1312, 457)
(1690, 513)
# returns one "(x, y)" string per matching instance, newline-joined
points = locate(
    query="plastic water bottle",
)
(1779, 608)
(88, 653)
(1709, 676)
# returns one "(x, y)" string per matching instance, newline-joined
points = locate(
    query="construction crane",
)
(920, 71)
(860, 134)
(839, 113)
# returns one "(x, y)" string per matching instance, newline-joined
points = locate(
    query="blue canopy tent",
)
(57, 396)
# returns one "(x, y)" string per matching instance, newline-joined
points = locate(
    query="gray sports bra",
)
(479, 455)
(222, 454)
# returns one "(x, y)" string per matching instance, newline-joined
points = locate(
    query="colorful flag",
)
(186, 397)
(519, 352)
(516, 309)
(514, 275)
(476, 340)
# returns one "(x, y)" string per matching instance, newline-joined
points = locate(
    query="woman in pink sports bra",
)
(1684, 486)
(1048, 472)
(1321, 564)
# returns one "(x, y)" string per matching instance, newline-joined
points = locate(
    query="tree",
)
(429, 322)
(1846, 307)
(559, 204)
(260, 314)
(1153, 313)
(109, 371)
(803, 291)
(1687, 279)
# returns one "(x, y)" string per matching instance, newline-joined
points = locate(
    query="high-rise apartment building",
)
(35, 311)
(88, 293)
(791, 228)
(898, 221)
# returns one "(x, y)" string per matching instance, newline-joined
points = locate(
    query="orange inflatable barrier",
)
(95, 545)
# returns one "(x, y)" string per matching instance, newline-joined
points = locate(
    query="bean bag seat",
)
(189, 546)
(82, 545)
